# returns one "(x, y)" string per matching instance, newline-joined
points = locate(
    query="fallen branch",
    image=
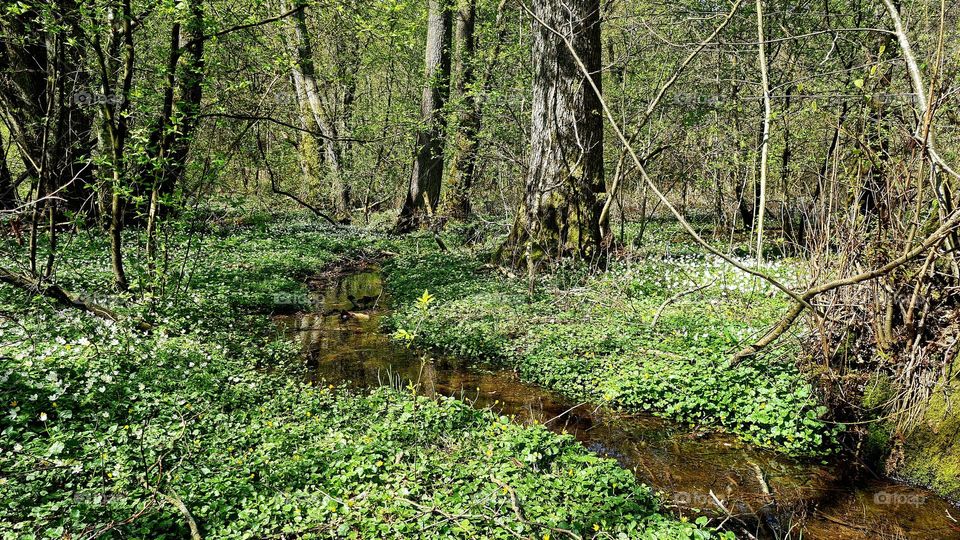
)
(565, 412)
(63, 297)
(179, 504)
(781, 328)
(768, 516)
(316, 211)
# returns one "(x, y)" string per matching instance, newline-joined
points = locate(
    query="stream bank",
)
(753, 491)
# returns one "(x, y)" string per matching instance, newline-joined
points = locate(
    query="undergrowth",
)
(592, 337)
(109, 431)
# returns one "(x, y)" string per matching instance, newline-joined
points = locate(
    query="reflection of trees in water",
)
(685, 465)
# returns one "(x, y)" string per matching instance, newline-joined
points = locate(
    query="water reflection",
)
(762, 493)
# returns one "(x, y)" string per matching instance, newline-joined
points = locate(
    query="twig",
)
(582, 403)
(676, 297)
(434, 509)
(769, 517)
(663, 90)
(516, 510)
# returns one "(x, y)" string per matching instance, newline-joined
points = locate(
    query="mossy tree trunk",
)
(423, 194)
(310, 147)
(564, 184)
(8, 192)
(463, 166)
(326, 147)
(172, 132)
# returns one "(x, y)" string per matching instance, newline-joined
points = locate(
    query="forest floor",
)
(205, 420)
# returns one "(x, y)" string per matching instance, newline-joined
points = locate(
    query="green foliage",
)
(591, 337)
(104, 426)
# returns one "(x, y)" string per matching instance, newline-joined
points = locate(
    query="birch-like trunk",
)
(765, 141)
(318, 117)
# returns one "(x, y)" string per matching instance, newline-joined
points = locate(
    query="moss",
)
(876, 444)
(877, 392)
(932, 451)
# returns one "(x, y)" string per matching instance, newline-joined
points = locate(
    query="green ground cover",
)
(109, 430)
(592, 337)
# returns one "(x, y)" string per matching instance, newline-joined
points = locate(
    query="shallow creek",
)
(764, 494)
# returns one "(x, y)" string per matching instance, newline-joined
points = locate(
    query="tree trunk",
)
(346, 62)
(425, 180)
(310, 145)
(116, 241)
(456, 204)
(873, 193)
(564, 183)
(172, 132)
(311, 142)
(116, 80)
(744, 207)
(191, 94)
(329, 137)
(761, 201)
(8, 192)
(184, 111)
(44, 98)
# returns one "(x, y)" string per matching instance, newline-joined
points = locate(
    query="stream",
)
(762, 493)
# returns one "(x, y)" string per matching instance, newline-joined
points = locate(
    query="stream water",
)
(765, 494)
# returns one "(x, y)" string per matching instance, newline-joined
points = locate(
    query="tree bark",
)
(456, 204)
(173, 133)
(44, 98)
(187, 108)
(761, 203)
(311, 142)
(423, 193)
(564, 185)
(346, 62)
(116, 80)
(331, 127)
(8, 192)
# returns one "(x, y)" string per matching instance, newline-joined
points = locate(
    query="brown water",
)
(754, 492)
